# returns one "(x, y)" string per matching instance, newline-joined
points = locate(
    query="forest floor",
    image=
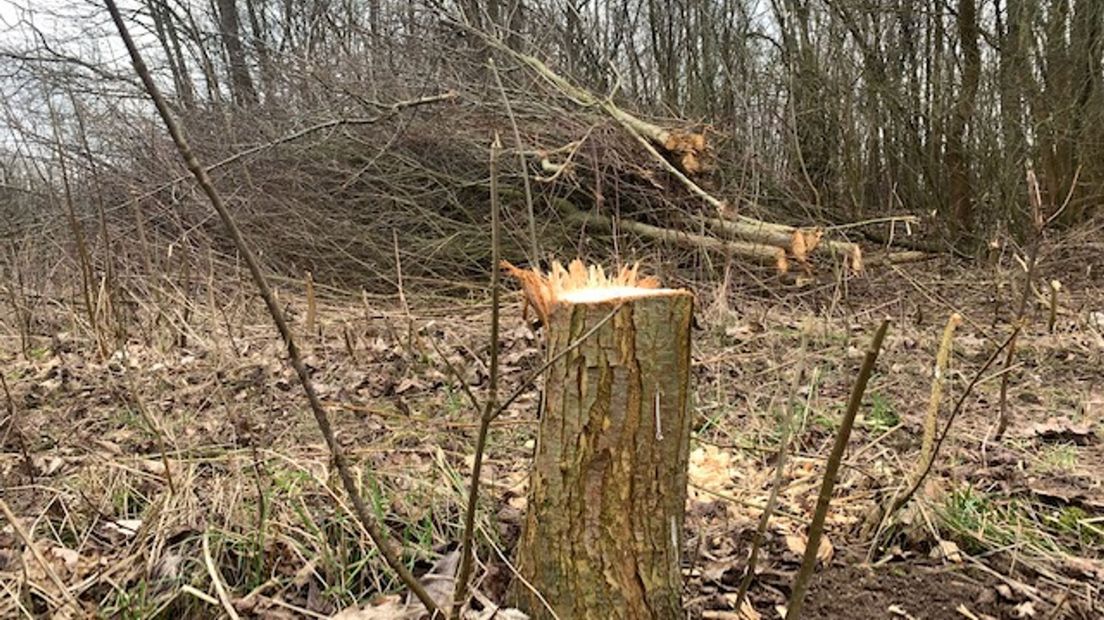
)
(193, 455)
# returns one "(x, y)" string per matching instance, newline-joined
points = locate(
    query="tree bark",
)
(958, 159)
(170, 46)
(244, 92)
(603, 534)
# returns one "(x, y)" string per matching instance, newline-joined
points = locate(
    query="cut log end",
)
(581, 284)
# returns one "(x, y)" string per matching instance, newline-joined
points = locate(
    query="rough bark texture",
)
(240, 80)
(603, 534)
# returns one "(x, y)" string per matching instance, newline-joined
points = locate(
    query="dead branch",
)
(831, 470)
(760, 253)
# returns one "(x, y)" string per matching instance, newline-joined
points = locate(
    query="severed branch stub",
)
(603, 533)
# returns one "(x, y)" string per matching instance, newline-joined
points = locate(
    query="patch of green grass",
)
(128, 418)
(830, 337)
(713, 420)
(455, 402)
(38, 353)
(828, 419)
(1077, 523)
(1058, 459)
(128, 504)
(980, 522)
(974, 520)
(882, 416)
(131, 603)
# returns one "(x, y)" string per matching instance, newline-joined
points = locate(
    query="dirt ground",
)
(141, 475)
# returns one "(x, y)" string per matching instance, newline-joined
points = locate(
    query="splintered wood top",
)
(583, 284)
(613, 293)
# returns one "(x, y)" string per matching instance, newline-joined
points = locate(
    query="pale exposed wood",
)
(758, 252)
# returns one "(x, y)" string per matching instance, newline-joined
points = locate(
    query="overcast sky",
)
(80, 29)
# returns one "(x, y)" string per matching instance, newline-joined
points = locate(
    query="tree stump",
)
(602, 537)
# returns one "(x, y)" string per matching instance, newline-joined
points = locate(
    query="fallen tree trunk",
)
(800, 243)
(758, 252)
(688, 150)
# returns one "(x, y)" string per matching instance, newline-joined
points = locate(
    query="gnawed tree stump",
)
(603, 533)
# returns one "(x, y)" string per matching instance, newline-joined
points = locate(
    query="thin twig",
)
(492, 393)
(534, 244)
(533, 376)
(312, 305)
(83, 256)
(216, 579)
(831, 470)
(154, 427)
(779, 467)
(294, 357)
(25, 538)
(1039, 225)
(455, 372)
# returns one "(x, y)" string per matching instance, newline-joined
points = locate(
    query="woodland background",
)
(817, 112)
(154, 445)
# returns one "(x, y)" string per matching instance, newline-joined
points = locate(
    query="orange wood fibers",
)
(579, 283)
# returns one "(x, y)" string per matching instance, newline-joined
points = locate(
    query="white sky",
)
(76, 27)
(80, 29)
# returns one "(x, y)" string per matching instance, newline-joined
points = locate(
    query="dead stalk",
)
(312, 305)
(1021, 307)
(216, 579)
(25, 537)
(1039, 225)
(779, 467)
(492, 393)
(186, 302)
(84, 259)
(831, 470)
(409, 341)
(17, 428)
(155, 428)
(931, 419)
(18, 304)
(350, 346)
(1055, 287)
(321, 418)
(110, 289)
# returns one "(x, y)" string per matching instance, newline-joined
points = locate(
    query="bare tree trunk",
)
(958, 156)
(1087, 48)
(170, 45)
(240, 81)
(607, 495)
(259, 28)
